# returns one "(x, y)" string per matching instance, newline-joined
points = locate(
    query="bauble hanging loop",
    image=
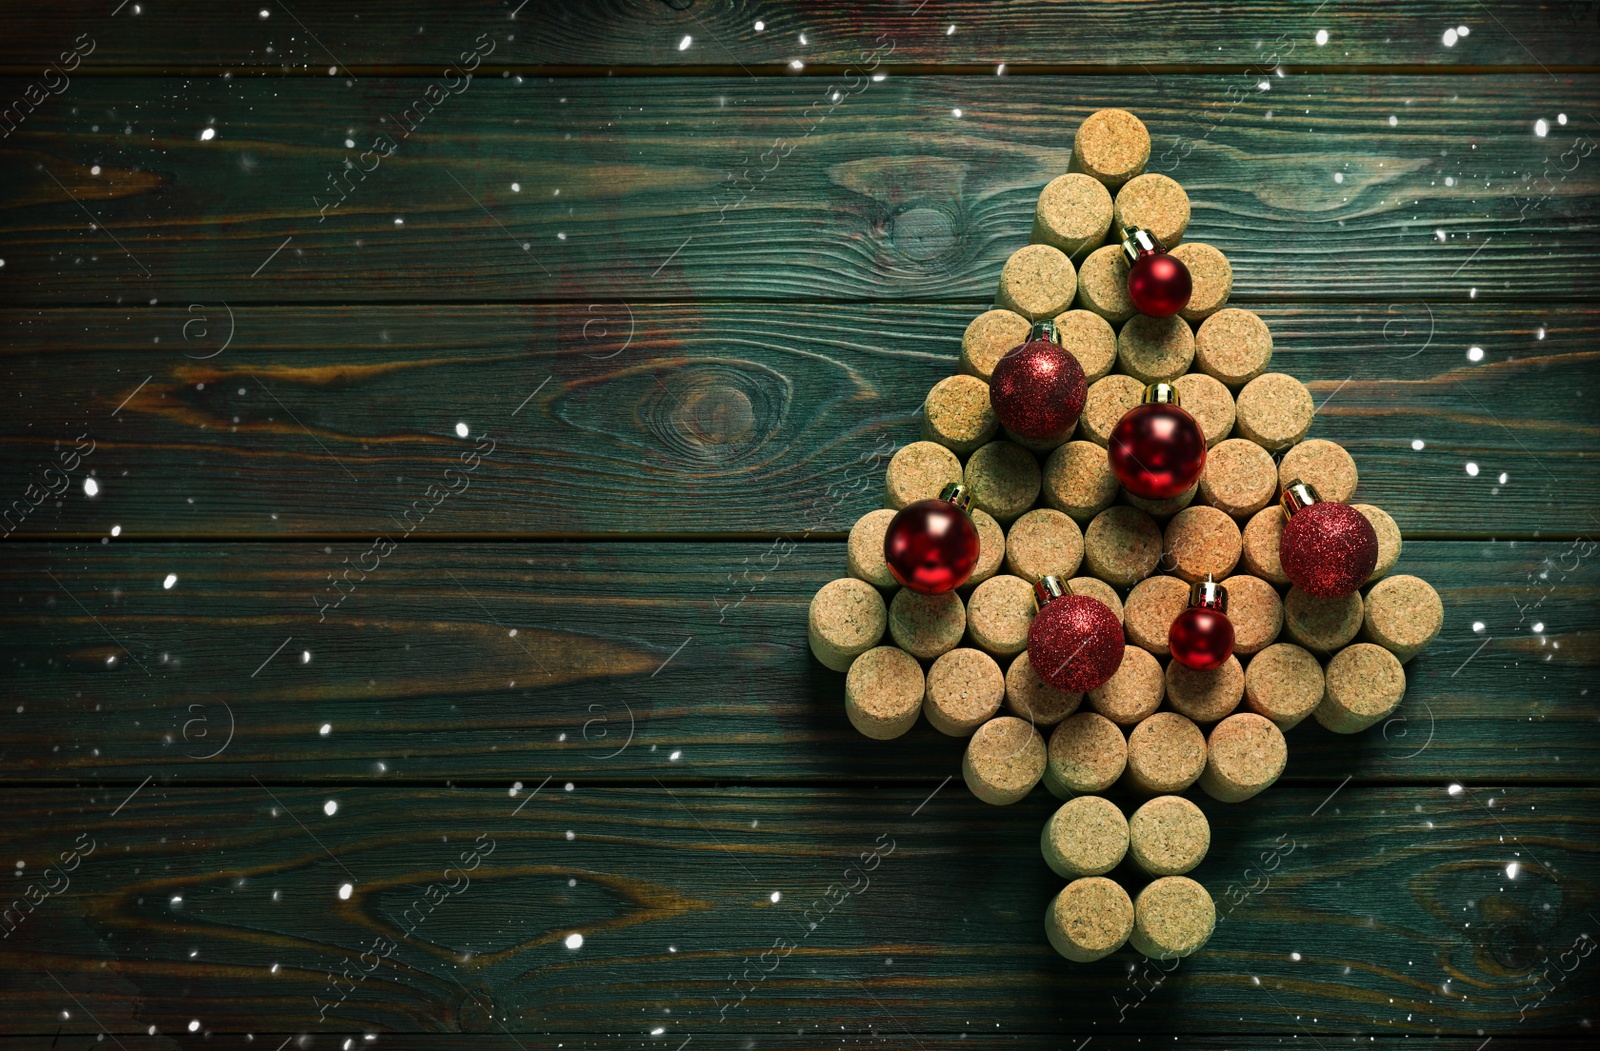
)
(1158, 283)
(1157, 449)
(1328, 549)
(1075, 642)
(932, 546)
(1201, 637)
(1038, 388)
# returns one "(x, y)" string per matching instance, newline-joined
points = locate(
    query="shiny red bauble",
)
(1038, 388)
(1201, 638)
(931, 546)
(1075, 643)
(1159, 284)
(1157, 451)
(1328, 549)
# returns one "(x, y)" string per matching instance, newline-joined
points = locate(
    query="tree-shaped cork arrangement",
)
(1116, 529)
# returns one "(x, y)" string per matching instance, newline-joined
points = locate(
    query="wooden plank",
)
(1403, 910)
(726, 418)
(603, 35)
(1355, 188)
(516, 662)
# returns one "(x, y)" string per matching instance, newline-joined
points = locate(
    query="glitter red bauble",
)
(1201, 638)
(1157, 451)
(1159, 284)
(1328, 549)
(931, 546)
(1075, 643)
(1038, 389)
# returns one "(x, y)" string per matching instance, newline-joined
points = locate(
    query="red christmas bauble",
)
(1328, 549)
(1201, 638)
(1157, 451)
(1075, 643)
(931, 546)
(1159, 284)
(1038, 389)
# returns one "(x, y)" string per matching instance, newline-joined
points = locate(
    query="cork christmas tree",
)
(1117, 558)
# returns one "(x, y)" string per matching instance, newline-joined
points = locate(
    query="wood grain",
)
(616, 662)
(674, 189)
(601, 35)
(724, 419)
(1380, 908)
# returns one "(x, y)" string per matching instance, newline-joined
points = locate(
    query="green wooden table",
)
(581, 337)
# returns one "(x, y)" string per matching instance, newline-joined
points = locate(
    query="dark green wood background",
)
(557, 663)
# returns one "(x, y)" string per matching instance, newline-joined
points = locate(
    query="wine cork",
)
(1208, 400)
(964, 690)
(1323, 465)
(1283, 683)
(1152, 606)
(1154, 203)
(1108, 400)
(1321, 625)
(987, 339)
(1112, 145)
(958, 416)
(1103, 284)
(999, 613)
(1155, 349)
(1089, 920)
(1172, 917)
(1365, 683)
(1388, 539)
(926, 625)
(1168, 836)
(919, 471)
(1004, 760)
(1040, 447)
(1403, 614)
(883, 693)
(1205, 696)
(1234, 346)
(1043, 543)
(864, 551)
(1030, 697)
(1087, 753)
(1038, 282)
(1166, 753)
(1244, 755)
(1122, 546)
(1074, 214)
(1199, 541)
(846, 619)
(1004, 479)
(1255, 611)
(1259, 545)
(1212, 276)
(991, 550)
(1086, 836)
(1095, 588)
(1090, 338)
(1239, 479)
(1134, 692)
(1078, 481)
(1274, 411)
(1161, 510)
